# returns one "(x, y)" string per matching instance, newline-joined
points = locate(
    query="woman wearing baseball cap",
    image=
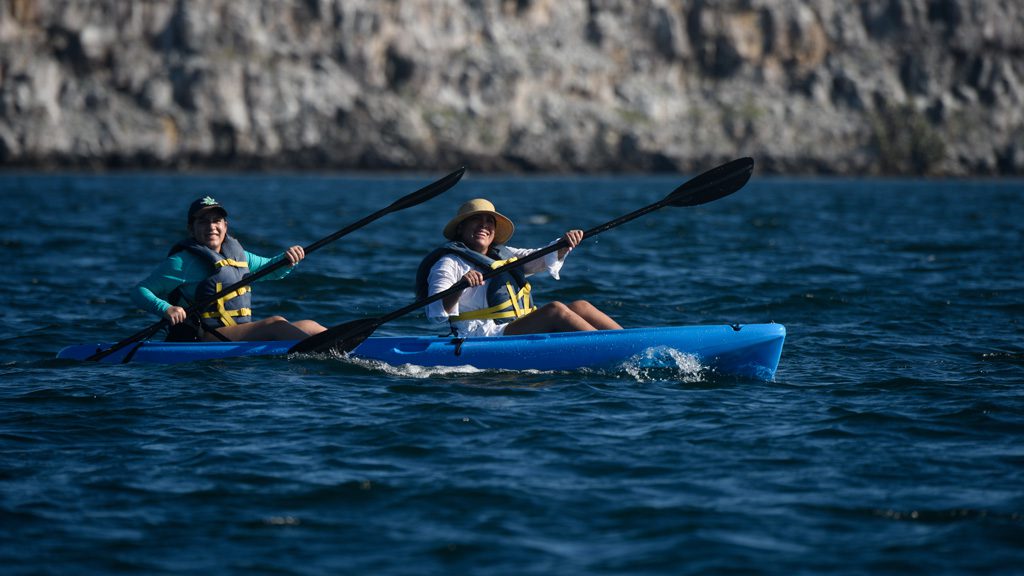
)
(502, 304)
(201, 265)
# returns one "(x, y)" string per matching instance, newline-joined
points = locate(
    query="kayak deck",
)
(751, 350)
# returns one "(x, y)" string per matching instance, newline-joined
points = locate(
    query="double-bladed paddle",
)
(418, 197)
(707, 187)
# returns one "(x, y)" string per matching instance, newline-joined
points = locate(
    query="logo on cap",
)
(209, 201)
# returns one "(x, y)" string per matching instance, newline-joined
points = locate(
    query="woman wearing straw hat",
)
(502, 304)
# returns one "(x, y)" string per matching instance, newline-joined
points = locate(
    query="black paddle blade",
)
(429, 191)
(341, 338)
(138, 336)
(713, 184)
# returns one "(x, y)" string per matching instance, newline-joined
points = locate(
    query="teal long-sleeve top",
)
(188, 270)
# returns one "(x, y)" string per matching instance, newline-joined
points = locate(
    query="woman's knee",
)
(559, 310)
(309, 326)
(581, 306)
(566, 316)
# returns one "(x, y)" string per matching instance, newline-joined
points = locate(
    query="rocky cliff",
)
(830, 86)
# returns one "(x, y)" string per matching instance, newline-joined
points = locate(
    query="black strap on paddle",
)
(707, 187)
(418, 197)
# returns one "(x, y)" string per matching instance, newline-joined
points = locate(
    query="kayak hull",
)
(751, 350)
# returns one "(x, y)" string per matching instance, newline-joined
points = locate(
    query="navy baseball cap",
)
(204, 204)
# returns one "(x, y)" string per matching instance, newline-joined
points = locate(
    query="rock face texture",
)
(933, 87)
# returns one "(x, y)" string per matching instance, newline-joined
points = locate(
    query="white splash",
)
(661, 363)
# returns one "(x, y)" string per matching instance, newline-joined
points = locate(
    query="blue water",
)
(890, 441)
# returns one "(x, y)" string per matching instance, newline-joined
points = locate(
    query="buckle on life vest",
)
(225, 316)
(517, 306)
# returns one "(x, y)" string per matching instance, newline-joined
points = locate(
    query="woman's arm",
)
(443, 275)
(256, 262)
(551, 262)
(152, 292)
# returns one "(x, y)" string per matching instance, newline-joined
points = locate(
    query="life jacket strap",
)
(500, 263)
(227, 317)
(520, 300)
(234, 293)
(518, 305)
(230, 262)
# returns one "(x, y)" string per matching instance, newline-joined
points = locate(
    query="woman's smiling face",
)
(477, 232)
(210, 230)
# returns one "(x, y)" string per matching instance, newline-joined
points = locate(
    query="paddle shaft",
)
(417, 197)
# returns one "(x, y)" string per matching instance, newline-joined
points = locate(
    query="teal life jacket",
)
(228, 266)
(508, 293)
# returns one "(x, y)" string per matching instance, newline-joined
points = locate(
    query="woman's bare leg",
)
(551, 317)
(593, 316)
(310, 327)
(272, 328)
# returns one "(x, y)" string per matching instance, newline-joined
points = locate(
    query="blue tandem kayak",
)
(751, 350)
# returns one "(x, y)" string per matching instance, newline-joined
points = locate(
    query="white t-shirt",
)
(450, 268)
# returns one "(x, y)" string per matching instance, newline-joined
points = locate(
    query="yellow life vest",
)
(508, 293)
(228, 266)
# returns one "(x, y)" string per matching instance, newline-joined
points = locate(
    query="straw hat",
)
(503, 228)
